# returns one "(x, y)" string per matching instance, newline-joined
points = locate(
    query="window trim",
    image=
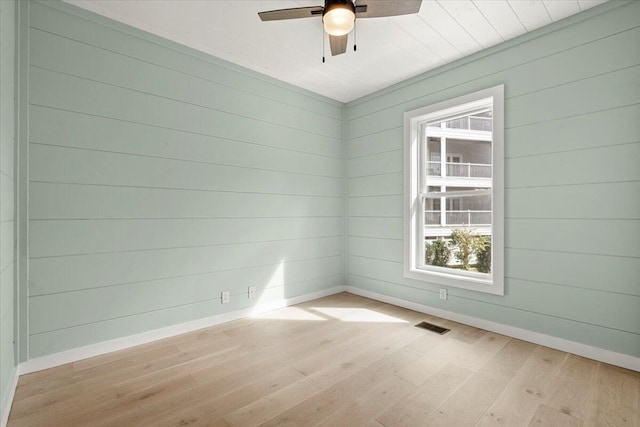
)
(413, 121)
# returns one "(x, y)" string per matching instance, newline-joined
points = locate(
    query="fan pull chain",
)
(355, 32)
(322, 32)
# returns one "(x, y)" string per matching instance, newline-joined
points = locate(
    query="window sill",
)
(489, 285)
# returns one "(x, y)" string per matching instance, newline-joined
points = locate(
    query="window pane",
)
(468, 158)
(467, 211)
(461, 123)
(477, 203)
(458, 212)
(457, 222)
(434, 167)
(481, 123)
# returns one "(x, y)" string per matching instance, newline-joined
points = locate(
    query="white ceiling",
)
(389, 49)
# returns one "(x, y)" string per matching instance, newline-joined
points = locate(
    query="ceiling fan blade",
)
(294, 13)
(380, 8)
(338, 44)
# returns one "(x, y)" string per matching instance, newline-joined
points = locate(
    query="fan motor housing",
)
(333, 4)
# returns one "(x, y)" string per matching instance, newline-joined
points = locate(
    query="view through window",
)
(454, 205)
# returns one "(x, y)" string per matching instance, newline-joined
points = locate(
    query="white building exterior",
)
(459, 160)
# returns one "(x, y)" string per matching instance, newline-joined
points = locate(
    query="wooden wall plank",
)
(68, 129)
(72, 237)
(59, 54)
(75, 166)
(589, 201)
(106, 34)
(65, 273)
(376, 185)
(102, 202)
(61, 91)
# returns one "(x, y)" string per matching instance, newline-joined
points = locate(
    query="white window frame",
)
(414, 122)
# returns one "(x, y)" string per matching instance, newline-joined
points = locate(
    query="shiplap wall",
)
(7, 183)
(160, 177)
(572, 180)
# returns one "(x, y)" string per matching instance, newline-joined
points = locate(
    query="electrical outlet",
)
(225, 297)
(443, 294)
(252, 291)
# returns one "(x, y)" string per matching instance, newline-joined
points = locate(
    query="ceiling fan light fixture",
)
(338, 18)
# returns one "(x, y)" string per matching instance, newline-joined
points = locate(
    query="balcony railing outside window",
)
(434, 169)
(467, 123)
(469, 170)
(481, 123)
(432, 217)
(456, 218)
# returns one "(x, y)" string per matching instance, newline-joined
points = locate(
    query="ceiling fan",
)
(338, 16)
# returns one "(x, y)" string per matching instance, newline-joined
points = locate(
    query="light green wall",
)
(572, 143)
(159, 177)
(7, 183)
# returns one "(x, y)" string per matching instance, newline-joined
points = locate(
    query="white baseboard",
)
(73, 355)
(53, 360)
(7, 401)
(607, 356)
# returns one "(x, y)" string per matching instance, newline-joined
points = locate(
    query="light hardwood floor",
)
(336, 361)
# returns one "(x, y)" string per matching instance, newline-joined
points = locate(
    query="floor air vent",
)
(433, 328)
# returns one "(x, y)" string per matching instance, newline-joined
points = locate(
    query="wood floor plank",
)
(213, 408)
(89, 410)
(61, 390)
(415, 409)
(216, 357)
(528, 389)
(310, 364)
(81, 386)
(343, 360)
(342, 394)
(57, 410)
(617, 397)
(209, 335)
(41, 376)
(342, 366)
(576, 389)
(464, 333)
(202, 404)
(273, 357)
(63, 376)
(547, 416)
(466, 406)
(368, 402)
(451, 350)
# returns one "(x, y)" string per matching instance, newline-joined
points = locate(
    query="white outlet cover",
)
(225, 297)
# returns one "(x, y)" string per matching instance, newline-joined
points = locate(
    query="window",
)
(454, 192)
